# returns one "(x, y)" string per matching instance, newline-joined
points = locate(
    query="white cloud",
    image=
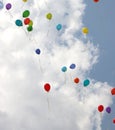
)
(23, 101)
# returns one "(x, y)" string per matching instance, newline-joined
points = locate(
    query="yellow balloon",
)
(85, 30)
(24, 0)
(30, 23)
(49, 16)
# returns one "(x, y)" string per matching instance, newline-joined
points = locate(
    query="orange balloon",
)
(76, 80)
(113, 91)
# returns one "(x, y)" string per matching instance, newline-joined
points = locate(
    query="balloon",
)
(85, 30)
(108, 110)
(49, 16)
(47, 87)
(1, 5)
(30, 23)
(64, 69)
(8, 6)
(29, 28)
(26, 13)
(114, 120)
(96, 1)
(72, 66)
(100, 108)
(26, 21)
(18, 22)
(25, 0)
(58, 27)
(86, 83)
(113, 91)
(76, 80)
(38, 51)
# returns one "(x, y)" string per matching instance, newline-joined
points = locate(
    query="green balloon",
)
(29, 28)
(26, 13)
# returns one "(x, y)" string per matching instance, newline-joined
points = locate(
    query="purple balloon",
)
(108, 110)
(8, 6)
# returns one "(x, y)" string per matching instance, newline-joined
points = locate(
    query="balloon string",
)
(40, 66)
(101, 115)
(85, 36)
(70, 76)
(65, 78)
(46, 4)
(11, 16)
(25, 31)
(48, 103)
(48, 29)
(48, 32)
(22, 6)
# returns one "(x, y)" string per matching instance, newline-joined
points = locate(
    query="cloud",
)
(24, 104)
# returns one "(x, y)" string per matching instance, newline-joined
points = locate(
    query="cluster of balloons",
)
(76, 80)
(101, 109)
(26, 21)
(108, 110)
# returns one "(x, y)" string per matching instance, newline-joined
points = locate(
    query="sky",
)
(100, 19)
(24, 102)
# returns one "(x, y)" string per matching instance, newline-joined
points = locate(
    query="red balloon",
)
(47, 87)
(100, 108)
(96, 1)
(113, 91)
(114, 120)
(26, 21)
(76, 80)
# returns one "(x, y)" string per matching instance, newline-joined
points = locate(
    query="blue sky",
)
(100, 19)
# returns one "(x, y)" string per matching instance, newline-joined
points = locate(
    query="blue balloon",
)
(18, 22)
(58, 27)
(72, 66)
(64, 69)
(38, 51)
(1, 5)
(86, 82)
